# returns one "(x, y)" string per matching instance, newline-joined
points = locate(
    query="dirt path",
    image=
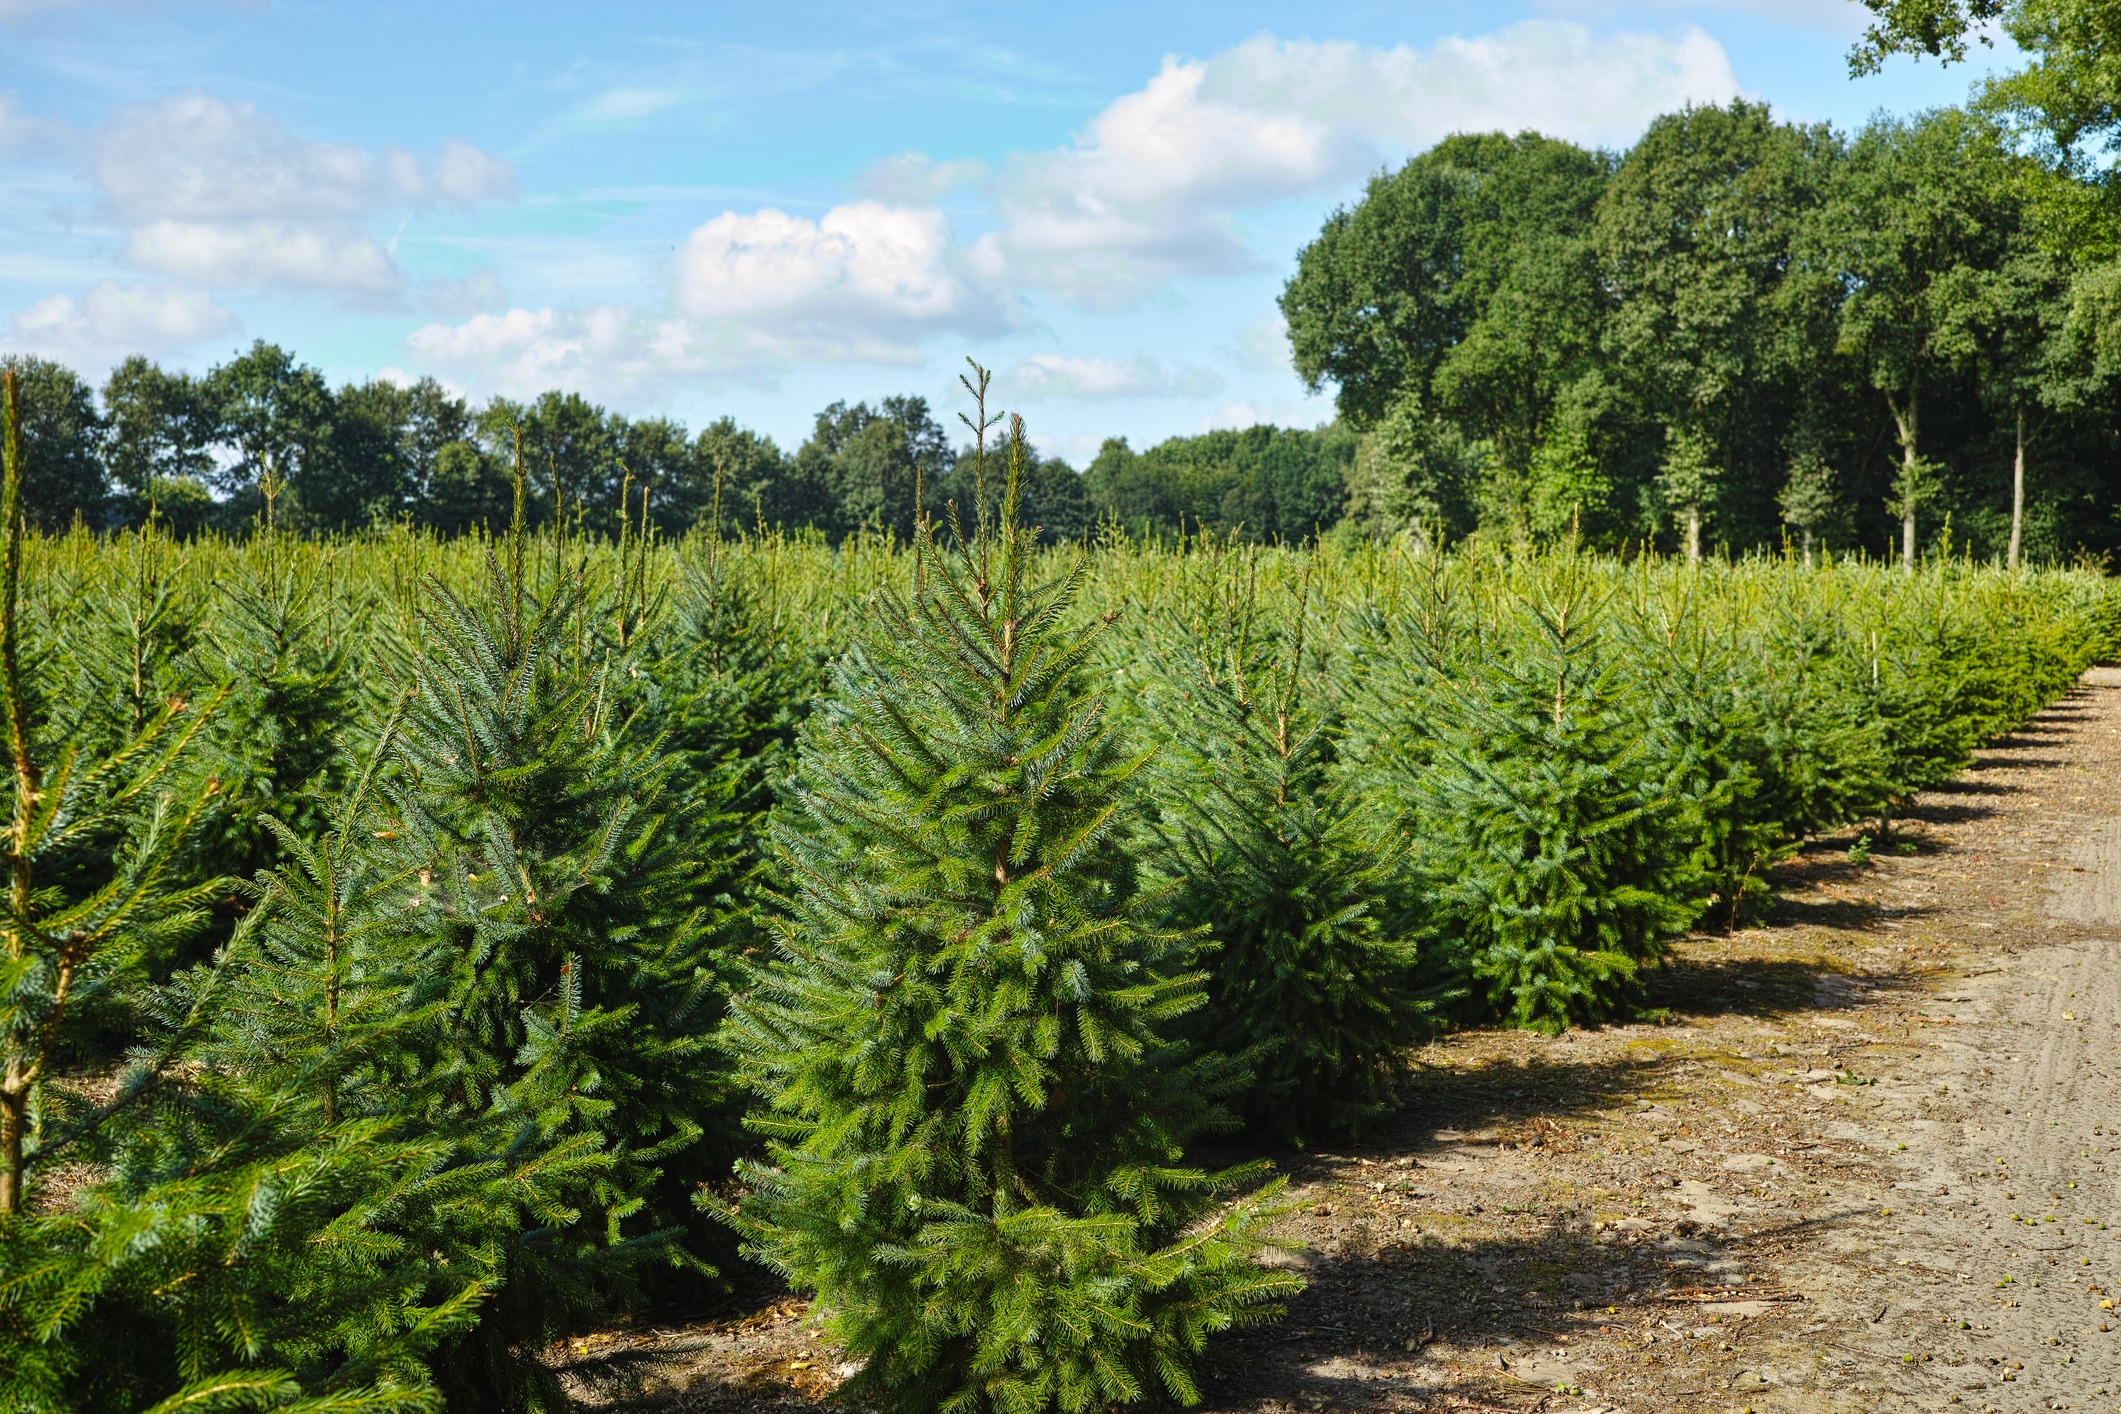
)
(1718, 1213)
(1998, 1138)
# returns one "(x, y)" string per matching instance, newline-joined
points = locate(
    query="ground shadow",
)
(2018, 763)
(1760, 987)
(1929, 810)
(1964, 786)
(1387, 1323)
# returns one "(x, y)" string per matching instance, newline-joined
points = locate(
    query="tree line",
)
(264, 431)
(1736, 329)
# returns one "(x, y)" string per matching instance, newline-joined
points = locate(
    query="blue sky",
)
(751, 210)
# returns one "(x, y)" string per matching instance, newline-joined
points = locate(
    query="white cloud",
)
(916, 179)
(266, 254)
(1837, 17)
(219, 193)
(113, 320)
(864, 283)
(1241, 414)
(1069, 376)
(863, 271)
(608, 351)
(1152, 189)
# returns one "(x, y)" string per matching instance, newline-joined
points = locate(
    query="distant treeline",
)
(204, 452)
(1737, 325)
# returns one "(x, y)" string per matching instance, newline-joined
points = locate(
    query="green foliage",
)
(1552, 835)
(1268, 856)
(975, 1117)
(62, 444)
(571, 900)
(278, 642)
(1262, 484)
(1465, 279)
(1414, 475)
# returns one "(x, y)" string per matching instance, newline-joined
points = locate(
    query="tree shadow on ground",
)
(1964, 786)
(1760, 987)
(1389, 1320)
(1929, 810)
(2017, 763)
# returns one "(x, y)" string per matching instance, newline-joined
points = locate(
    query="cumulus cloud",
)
(114, 320)
(1069, 376)
(865, 283)
(608, 351)
(266, 254)
(1152, 188)
(217, 192)
(863, 271)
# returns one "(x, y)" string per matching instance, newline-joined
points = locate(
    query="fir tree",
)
(1273, 862)
(976, 1121)
(66, 945)
(1552, 839)
(1706, 728)
(564, 886)
(188, 1264)
(275, 746)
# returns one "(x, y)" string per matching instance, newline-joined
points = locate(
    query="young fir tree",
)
(1552, 841)
(275, 746)
(1707, 731)
(154, 1285)
(1272, 860)
(107, 822)
(976, 1123)
(300, 1206)
(565, 886)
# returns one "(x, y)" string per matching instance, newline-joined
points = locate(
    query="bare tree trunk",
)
(1807, 546)
(14, 1119)
(25, 1059)
(1904, 421)
(1693, 535)
(2018, 493)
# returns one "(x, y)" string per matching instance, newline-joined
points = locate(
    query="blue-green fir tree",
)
(1272, 861)
(1554, 841)
(976, 1121)
(569, 893)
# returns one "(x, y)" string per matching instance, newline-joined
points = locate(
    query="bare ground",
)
(1864, 1165)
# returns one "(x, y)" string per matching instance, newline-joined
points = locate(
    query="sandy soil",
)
(1865, 1164)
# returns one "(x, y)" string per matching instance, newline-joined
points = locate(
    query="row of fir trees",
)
(418, 950)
